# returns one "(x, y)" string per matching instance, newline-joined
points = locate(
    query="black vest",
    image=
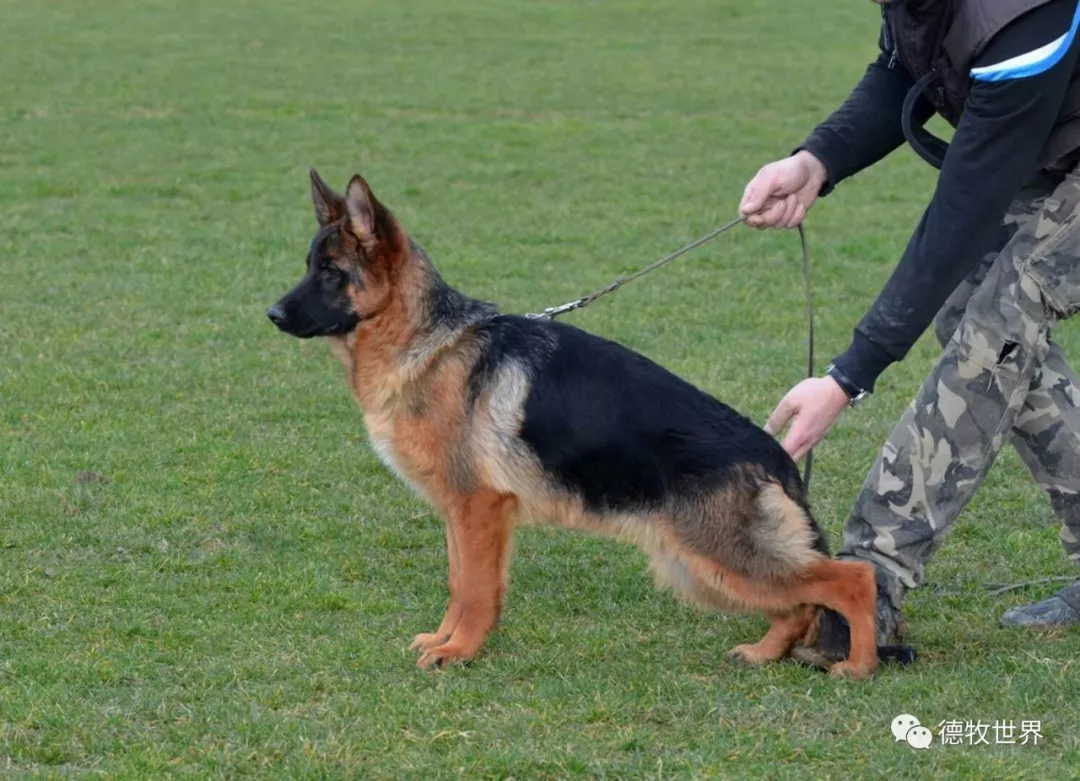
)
(937, 41)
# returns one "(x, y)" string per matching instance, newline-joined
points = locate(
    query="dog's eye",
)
(332, 273)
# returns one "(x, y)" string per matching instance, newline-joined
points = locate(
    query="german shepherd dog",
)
(497, 419)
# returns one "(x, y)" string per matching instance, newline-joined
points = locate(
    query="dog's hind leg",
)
(785, 629)
(428, 640)
(481, 525)
(850, 589)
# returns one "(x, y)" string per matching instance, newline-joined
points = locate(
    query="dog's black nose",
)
(276, 314)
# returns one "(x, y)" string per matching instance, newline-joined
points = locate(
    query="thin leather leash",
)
(580, 303)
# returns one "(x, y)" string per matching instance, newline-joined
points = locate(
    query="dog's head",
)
(351, 266)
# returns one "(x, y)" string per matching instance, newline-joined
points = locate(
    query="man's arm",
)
(867, 126)
(993, 154)
(863, 130)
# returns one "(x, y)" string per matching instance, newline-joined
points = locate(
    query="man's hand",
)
(811, 407)
(781, 193)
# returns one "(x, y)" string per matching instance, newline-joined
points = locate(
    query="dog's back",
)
(624, 437)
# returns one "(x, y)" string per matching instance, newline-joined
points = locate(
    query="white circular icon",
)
(901, 724)
(920, 737)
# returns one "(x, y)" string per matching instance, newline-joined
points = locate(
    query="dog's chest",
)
(387, 446)
(381, 434)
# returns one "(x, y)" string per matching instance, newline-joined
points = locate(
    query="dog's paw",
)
(445, 655)
(426, 641)
(846, 670)
(748, 655)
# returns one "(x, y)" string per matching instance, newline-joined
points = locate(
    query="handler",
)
(996, 257)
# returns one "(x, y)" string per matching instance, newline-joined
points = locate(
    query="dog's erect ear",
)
(368, 220)
(329, 206)
(365, 213)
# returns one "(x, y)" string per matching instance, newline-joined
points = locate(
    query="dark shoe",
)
(1062, 609)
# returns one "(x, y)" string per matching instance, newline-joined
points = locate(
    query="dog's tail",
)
(793, 487)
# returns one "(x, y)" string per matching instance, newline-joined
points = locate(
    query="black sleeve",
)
(994, 152)
(866, 127)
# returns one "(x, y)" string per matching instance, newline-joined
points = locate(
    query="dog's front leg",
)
(429, 640)
(480, 525)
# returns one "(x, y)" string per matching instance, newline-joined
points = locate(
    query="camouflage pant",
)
(999, 377)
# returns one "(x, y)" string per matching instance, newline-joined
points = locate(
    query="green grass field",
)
(205, 572)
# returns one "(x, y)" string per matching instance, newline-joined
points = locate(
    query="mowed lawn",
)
(204, 570)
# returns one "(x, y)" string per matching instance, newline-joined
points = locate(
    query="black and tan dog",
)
(497, 419)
